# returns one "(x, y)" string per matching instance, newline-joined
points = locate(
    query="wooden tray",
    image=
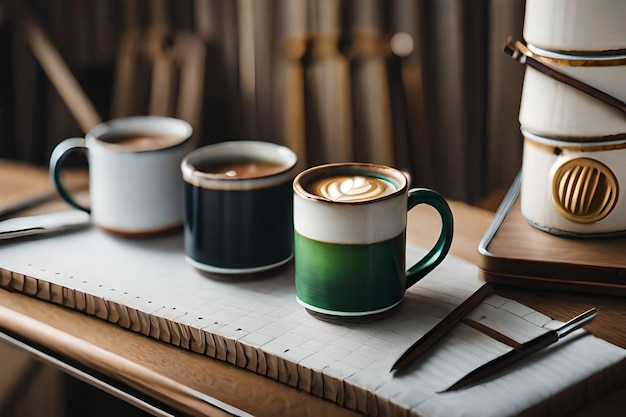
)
(515, 253)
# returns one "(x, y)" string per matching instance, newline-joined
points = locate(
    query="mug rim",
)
(337, 167)
(182, 129)
(250, 148)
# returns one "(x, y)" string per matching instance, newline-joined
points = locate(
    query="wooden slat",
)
(264, 58)
(190, 55)
(247, 67)
(371, 101)
(160, 72)
(125, 75)
(163, 75)
(295, 47)
(328, 105)
(25, 100)
(406, 45)
(503, 139)
(60, 76)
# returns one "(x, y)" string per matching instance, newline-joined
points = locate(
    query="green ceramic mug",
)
(350, 238)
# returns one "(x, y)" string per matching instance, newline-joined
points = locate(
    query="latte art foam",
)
(352, 188)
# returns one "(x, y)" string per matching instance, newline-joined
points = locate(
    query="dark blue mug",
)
(238, 215)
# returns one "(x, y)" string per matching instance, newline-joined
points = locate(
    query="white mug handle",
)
(56, 162)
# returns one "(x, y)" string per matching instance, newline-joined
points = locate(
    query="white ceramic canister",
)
(554, 109)
(573, 188)
(581, 26)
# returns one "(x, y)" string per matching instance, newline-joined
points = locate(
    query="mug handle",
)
(56, 161)
(439, 251)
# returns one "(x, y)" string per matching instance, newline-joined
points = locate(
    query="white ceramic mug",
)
(135, 184)
(573, 188)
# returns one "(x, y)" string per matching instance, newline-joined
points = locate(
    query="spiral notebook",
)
(146, 286)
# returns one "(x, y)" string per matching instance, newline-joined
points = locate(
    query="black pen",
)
(526, 349)
(442, 328)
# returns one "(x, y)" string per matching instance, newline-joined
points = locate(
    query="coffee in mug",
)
(238, 206)
(135, 186)
(241, 167)
(350, 239)
(140, 142)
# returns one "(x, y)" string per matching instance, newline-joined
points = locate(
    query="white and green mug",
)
(350, 239)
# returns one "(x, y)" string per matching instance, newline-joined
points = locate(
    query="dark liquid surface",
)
(140, 142)
(240, 167)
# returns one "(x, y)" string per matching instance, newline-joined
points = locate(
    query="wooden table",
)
(160, 370)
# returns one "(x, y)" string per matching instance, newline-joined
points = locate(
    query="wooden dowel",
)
(61, 77)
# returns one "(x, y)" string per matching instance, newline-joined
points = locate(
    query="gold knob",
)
(584, 190)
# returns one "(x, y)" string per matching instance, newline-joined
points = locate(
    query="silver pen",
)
(534, 345)
(43, 223)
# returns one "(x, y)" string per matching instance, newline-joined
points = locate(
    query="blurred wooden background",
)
(419, 84)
